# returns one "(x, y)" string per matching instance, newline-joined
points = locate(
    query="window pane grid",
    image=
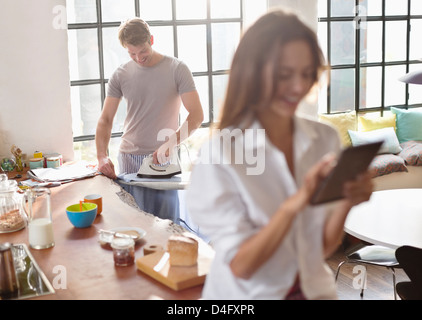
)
(108, 18)
(380, 22)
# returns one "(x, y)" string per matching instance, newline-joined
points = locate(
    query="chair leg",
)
(364, 283)
(365, 278)
(338, 269)
(394, 282)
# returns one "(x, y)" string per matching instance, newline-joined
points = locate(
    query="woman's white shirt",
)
(231, 197)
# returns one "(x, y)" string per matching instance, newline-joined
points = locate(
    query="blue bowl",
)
(84, 218)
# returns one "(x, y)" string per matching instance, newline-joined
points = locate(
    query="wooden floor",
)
(379, 280)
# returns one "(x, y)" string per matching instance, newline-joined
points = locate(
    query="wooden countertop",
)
(89, 267)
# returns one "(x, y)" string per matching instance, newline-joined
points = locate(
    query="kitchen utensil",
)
(157, 266)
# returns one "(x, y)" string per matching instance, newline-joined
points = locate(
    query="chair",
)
(372, 255)
(410, 258)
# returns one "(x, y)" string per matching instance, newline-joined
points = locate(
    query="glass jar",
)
(123, 251)
(12, 217)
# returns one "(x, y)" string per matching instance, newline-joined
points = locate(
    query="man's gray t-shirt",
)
(153, 101)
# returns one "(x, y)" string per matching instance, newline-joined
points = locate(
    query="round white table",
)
(391, 218)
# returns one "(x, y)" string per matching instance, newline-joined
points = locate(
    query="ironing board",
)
(177, 182)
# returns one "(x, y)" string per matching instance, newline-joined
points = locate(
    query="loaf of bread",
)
(183, 250)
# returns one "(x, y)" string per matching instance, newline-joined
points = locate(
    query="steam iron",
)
(167, 170)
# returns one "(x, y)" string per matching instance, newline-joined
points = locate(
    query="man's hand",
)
(106, 167)
(165, 152)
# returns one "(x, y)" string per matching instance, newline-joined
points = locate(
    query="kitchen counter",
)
(79, 267)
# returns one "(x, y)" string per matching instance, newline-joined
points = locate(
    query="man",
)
(154, 85)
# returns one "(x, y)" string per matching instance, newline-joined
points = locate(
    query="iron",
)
(166, 170)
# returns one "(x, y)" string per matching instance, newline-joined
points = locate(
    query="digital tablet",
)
(352, 162)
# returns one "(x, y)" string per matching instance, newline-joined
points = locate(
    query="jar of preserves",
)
(123, 251)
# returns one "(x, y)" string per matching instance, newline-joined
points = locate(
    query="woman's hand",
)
(312, 180)
(359, 190)
(261, 246)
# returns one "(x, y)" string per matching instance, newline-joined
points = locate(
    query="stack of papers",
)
(65, 173)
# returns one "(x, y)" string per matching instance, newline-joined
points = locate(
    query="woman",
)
(269, 241)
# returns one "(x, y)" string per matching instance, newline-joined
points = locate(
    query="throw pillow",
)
(391, 143)
(408, 124)
(342, 122)
(412, 153)
(369, 123)
(387, 163)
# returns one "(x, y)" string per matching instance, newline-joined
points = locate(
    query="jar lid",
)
(122, 243)
(7, 185)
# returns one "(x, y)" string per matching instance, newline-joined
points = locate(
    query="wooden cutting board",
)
(157, 266)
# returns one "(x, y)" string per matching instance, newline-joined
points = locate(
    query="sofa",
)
(399, 162)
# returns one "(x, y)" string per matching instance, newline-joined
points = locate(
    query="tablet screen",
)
(352, 162)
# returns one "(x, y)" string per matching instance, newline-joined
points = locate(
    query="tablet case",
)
(352, 161)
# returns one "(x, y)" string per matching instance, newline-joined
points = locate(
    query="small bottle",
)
(123, 251)
(19, 164)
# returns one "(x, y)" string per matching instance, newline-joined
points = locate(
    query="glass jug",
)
(40, 223)
(12, 217)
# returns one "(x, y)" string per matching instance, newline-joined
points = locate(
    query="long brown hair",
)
(261, 44)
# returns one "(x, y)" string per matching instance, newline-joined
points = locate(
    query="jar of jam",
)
(123, 251)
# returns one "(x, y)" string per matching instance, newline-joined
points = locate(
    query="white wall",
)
(35, 109)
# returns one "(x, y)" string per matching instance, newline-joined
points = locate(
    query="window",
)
(369, 45)
(202, 33)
